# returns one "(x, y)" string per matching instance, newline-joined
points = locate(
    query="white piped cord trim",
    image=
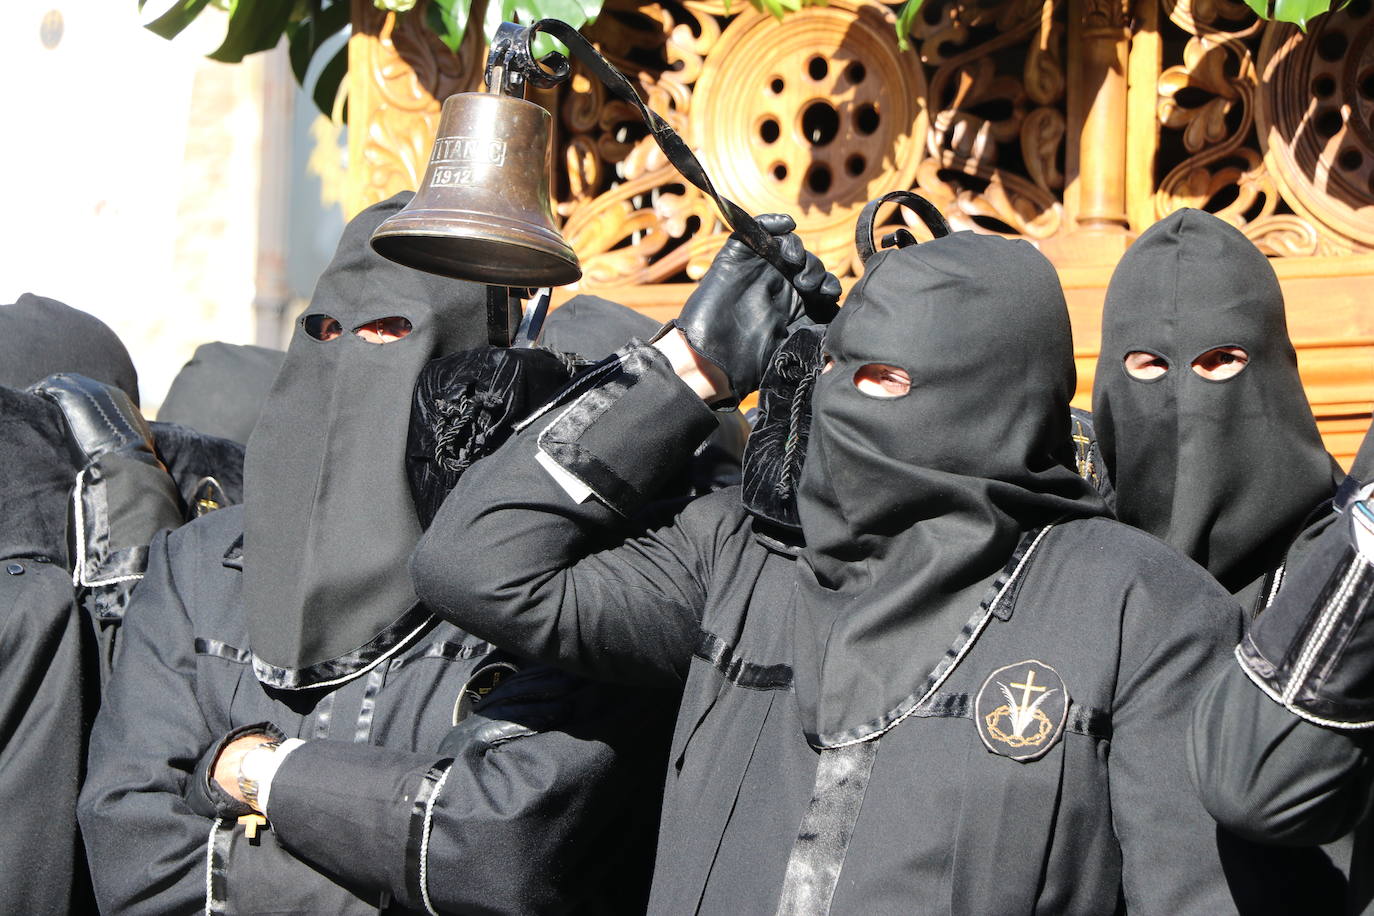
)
(1325, 625)
(424, 842)
(409, 638)
(968, 644)
(210, 869)
(574, 391)
(1300, 713)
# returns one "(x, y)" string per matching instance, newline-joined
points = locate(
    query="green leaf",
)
(576, 13)
(254, 25)
(1300, 12)
(907, 18)
(170, 23)
(449, 20)
(306, 37)
(327, 86)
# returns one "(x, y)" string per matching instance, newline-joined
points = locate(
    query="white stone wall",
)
(130, 169)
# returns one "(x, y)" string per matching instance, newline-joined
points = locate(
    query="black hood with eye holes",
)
(329, 521)
(1224, 470)
(912, 506)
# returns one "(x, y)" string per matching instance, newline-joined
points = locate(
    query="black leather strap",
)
(511, 51)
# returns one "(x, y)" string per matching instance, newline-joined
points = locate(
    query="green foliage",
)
(170, 23)
(254, 25)
(905, 20)
(1298, 12)
(779, 8)
(449, 20)
(308, 25)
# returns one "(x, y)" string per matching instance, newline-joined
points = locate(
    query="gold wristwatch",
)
(252, 767)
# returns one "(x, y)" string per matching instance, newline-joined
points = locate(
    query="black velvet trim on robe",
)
(350, 664)
(720, 655)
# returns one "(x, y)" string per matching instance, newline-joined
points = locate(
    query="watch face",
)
(256, 764)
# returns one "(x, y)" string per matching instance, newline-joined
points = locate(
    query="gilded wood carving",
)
(1064, 122)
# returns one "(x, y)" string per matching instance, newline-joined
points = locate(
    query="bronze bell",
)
(482, 211)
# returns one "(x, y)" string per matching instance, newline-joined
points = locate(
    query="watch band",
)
(249, 782)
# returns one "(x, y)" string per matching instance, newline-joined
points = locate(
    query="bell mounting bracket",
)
(511, 64)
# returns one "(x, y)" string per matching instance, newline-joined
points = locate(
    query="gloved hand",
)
(740, 311)
(123, 494)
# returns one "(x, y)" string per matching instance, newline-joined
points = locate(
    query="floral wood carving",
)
(399, 73)
(1316, 123)
(1274, 127)
(814, 115)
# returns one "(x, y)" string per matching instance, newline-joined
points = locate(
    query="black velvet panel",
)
(465, 406)
(191, 456)
(776, 449)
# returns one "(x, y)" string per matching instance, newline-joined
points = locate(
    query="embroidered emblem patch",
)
(487, 679)
(1020, 710)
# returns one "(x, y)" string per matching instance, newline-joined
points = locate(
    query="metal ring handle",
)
(929, 214)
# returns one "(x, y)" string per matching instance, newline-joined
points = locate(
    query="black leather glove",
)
(123, 494)
(741, 310)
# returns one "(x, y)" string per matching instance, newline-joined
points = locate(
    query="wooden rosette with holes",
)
(1315, 119)
(812, 116)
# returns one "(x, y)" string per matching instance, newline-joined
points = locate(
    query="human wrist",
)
(704, 377)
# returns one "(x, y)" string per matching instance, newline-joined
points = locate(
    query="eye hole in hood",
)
(384, 330)
(321, 327)
(880, 380)
(1145, 366)
(1221, 364)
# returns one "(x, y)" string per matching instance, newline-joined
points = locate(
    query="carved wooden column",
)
(1072, 124)
(1095, 196)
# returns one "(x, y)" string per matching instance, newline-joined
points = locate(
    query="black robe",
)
(48, 669)
(1105, 814)
(47, 698)
(530, 805)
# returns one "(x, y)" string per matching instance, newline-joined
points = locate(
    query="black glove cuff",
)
(1312, 651)
(599, 438)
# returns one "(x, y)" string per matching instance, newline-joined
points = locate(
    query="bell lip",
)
(559, 263)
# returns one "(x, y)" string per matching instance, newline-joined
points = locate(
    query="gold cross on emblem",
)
(1030, 687)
